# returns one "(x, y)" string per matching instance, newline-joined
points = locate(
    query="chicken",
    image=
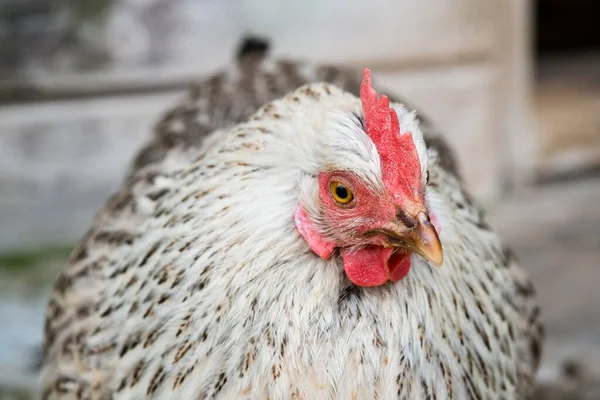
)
(318, 247)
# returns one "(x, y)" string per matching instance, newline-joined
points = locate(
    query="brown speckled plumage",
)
(147, 308)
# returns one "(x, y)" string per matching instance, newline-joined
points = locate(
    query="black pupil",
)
(341, 192)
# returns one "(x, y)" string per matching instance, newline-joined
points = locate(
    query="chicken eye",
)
(341, 193)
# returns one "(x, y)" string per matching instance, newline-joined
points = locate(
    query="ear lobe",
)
(321, 247)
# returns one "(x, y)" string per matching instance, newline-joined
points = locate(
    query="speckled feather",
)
(176, 292)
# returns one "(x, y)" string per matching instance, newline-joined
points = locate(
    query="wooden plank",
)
(164, 44)
(59, 161)
(357, 32)
(97, 84)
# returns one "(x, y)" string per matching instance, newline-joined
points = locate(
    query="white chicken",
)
(319, 247)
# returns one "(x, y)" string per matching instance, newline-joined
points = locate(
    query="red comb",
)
(399, 157)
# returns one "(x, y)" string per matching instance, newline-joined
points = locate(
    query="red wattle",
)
(367, 266)
(374, 265)
(399, 265)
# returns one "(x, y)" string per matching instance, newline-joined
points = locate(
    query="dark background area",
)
(564, 26)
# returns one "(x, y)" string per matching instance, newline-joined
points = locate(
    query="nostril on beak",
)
(407, 220)
(423, 218)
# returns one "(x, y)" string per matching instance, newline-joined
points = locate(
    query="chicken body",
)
(194, 282)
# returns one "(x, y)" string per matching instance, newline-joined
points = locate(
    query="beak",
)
(422, 239)
(425, 241)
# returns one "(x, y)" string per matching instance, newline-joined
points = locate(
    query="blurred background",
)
(513, 84)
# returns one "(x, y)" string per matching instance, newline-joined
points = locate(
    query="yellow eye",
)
(341, 193)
